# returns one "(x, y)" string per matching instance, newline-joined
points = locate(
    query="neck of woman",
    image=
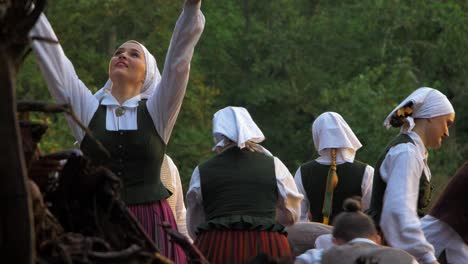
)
(420, 129)
(124, 92)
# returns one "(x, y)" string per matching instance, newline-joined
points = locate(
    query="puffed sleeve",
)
(289, 199)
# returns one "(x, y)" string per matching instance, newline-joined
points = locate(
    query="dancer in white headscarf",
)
(240, 200)
(132, 115)
(401, 188)
(331, 134)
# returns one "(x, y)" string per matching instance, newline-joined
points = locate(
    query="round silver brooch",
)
(120, 111)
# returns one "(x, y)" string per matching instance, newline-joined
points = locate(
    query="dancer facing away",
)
(401, 188)
(337, 145)
(240, 200)
(132, 115)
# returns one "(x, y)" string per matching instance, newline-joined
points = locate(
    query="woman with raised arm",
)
(401, 188)
(132, 115)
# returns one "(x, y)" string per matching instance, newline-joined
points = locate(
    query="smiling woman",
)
(401, 188)
(132, 115)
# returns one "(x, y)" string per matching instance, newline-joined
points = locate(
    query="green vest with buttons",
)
(136, 155)
(379, 186)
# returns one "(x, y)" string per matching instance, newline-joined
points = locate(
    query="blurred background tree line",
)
(286, 61)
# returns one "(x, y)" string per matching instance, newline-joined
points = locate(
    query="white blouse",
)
(401, 170)
(163, 105)
(443, 237)
(366, 186)
(171, 179)
(288, 207)
(314, 256)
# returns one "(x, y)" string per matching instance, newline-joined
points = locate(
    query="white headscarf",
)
(427, 103)
(236, 124)
(329, 131)
(152, 77)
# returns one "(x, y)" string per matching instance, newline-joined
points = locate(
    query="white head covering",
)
(152, 77)
(329, 131)
(236, 124)
(427, 103)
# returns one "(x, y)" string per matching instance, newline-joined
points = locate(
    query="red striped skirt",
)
(240, 246)
(150, 216)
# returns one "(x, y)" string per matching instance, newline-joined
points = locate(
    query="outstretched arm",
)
(164, 105)
(60, 76)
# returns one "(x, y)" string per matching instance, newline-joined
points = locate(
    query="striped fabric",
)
(168, 182)
(240, 246)
(150, 216)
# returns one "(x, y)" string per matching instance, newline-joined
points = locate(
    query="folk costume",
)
(240, 200)
(331, 134)
(401, 188)
(446, 225)
(170, 178)
(135, 133)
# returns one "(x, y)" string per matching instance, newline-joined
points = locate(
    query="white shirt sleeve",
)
(366, 187)
(180, 211)
(195, 211)
(324, 241)
(311, 256)
(401, 170)
(164, 104)
(288, 209)
(60, 76)
(443, 237)
(305, 205)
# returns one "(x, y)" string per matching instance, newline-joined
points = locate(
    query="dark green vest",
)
(136, 155)
(379, 186)
(314, 179)
(239, 191)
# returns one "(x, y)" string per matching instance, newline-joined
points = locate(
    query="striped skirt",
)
(150, 216)
(240, 246)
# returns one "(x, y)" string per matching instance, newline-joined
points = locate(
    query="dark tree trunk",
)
(16, 226)
(16, 223)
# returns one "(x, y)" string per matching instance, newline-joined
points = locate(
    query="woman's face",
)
(128, 64)
(437, 129)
